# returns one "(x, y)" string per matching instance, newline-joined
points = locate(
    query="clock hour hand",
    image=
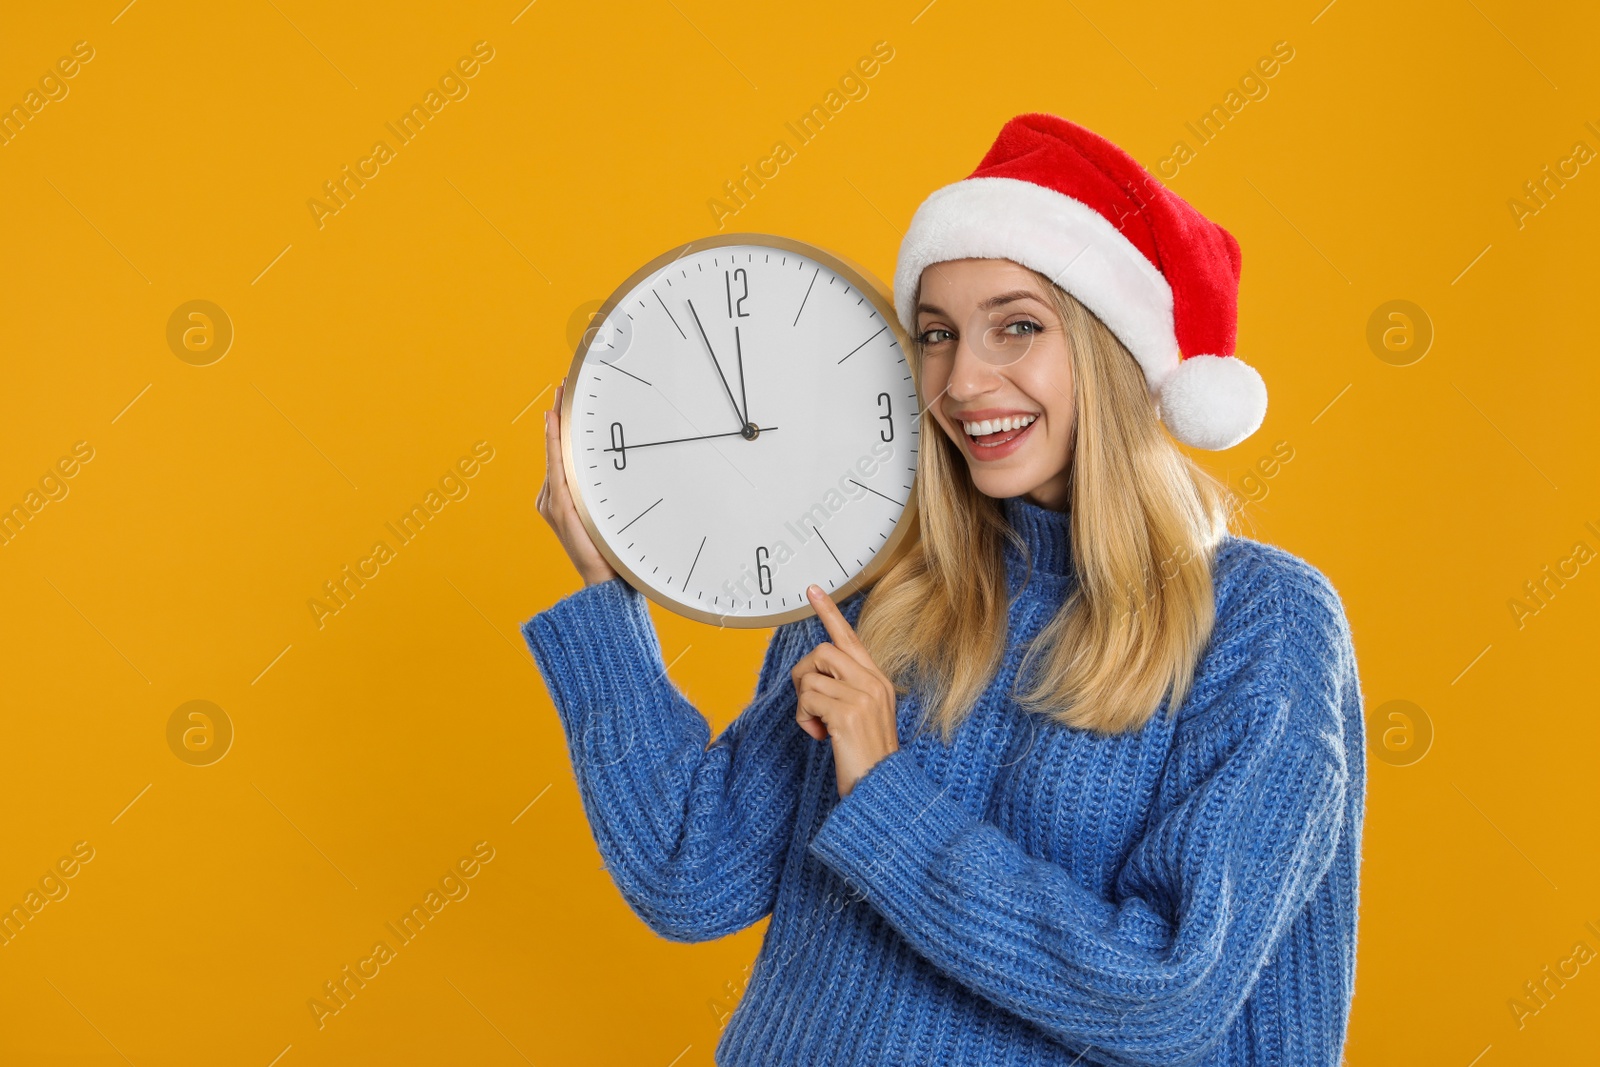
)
(738, 348)
(743, 422)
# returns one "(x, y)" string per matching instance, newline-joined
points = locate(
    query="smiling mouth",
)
(999, 437)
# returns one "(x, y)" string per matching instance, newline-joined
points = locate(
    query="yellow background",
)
(429, 313)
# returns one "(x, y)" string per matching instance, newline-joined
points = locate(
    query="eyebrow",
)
(992, 302)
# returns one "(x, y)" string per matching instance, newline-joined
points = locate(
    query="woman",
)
(1081, 778)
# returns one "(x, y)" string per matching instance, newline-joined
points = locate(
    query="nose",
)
(970, 375)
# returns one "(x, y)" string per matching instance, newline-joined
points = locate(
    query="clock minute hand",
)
(712, 352)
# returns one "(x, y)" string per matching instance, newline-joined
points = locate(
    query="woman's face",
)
(994, 349)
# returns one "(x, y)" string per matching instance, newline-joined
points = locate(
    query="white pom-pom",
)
(1213, 402)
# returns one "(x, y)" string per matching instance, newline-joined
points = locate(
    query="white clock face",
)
(742, 423)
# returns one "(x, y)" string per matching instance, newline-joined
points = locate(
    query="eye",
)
(932, 337)
(1032, 327)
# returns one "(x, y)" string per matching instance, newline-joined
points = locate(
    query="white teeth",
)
(1011, 422)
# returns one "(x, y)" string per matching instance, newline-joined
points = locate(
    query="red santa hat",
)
(1164, 279)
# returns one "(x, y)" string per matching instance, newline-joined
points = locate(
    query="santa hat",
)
(1071, 205)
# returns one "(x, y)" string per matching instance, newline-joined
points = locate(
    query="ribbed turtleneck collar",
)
(1048, 535)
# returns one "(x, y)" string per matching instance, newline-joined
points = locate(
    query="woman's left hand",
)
(843, 695)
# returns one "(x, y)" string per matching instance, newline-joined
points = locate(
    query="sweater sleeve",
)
(1237, 842)
(693, 836)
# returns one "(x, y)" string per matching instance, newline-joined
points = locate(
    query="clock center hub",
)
(750, 432)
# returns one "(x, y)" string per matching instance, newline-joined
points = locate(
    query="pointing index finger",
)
(838, 627)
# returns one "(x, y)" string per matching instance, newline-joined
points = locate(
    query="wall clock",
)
(741, 421)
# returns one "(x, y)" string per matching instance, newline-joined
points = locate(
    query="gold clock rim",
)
(863, 279)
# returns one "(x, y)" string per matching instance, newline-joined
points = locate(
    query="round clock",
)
(740, 421)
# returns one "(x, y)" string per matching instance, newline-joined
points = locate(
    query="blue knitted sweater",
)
(1030, 894)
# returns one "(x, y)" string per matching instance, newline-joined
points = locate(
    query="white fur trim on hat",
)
(1213, 402)
(1064, 239)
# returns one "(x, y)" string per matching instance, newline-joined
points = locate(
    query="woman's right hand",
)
(555, 504)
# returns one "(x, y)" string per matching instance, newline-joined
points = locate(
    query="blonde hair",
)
(1146, 521)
